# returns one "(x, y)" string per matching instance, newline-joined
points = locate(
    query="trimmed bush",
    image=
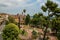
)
(10, 32)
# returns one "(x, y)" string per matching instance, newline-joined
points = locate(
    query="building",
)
(4, 16)
(22, 18)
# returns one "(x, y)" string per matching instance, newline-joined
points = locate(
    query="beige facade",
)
(4, 16)
(22, 18)
(16, 17)
(1, 19)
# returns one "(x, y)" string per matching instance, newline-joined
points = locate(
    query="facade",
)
(22, 18)
(3, 17)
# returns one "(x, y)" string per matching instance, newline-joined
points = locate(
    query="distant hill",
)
(4, 14)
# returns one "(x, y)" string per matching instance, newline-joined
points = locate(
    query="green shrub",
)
(7, 22)
(34, 34)
(10, 32)
(20, 31)
(24, 32)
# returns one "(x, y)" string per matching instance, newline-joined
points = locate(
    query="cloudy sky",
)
(16, 6)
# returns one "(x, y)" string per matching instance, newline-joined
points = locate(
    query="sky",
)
(17, 6)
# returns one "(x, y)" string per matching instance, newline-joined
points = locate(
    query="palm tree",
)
(24, 10)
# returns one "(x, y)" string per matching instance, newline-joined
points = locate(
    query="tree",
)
(10, 32)
(40, 14)
(11, 20)
(50, 7)
(24, 10)
(37, 20)
(7, 22)
(35, 16)
(56, 26)
(27, 19)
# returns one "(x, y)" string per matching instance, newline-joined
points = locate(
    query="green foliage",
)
(39, 20)
(40, 14)
(58, 36)
(24, 10)
(24, 32)
(44, 8)
(56, 26)
(20, 31)
(11, 20)
(27, 19)
(7, 22)
(10, 32)
(36, 19)
(34, 34)
(35, 16)
(57, 10)
(51, 5)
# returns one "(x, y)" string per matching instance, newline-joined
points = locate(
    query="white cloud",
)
(22, 3)
(17, 3)
(7, 3)
(20, 0)
(41, 2)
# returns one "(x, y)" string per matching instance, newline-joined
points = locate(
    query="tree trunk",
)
(45, 33)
